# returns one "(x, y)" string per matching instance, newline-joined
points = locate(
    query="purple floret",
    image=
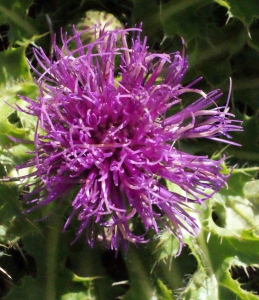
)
(102, 128)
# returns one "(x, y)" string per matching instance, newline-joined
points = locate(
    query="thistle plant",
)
(105, 128)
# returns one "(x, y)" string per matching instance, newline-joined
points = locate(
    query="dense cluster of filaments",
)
(103, 129)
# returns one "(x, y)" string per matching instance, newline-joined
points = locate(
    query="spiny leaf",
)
(163, 293)
(13, 65)
(228, 238)
(244, 11)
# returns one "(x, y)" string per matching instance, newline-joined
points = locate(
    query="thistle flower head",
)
(104, 128)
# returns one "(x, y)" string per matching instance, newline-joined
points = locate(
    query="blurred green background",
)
(37, 260)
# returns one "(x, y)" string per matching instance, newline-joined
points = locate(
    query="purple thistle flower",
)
(110, 137)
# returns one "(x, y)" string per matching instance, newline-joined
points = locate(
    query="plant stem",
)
(51, 258)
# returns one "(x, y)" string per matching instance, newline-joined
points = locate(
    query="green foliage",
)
(163, 292)
(222, 41)
(14, 65)
(246, 13)
(229, 238)
(13, 13)
(9, 206)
